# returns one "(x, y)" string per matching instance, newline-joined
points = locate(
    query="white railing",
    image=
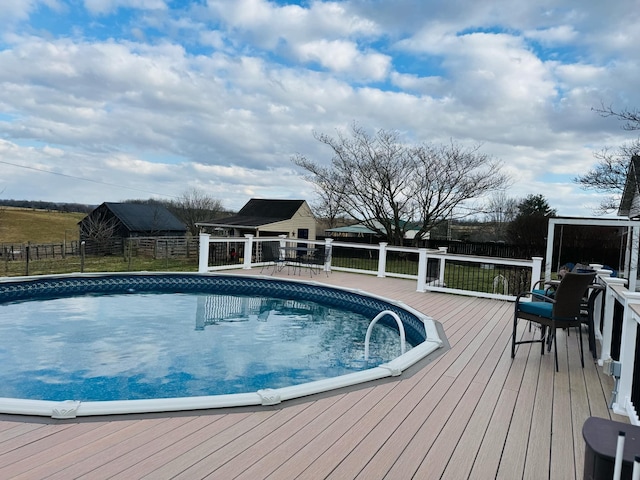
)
(604, 308)
(532, 269)
(624, 368)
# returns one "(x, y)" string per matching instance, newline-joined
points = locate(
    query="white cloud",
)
(344, 57)
(268, 22)
(12, 11)
(221, 95)
(552, 36)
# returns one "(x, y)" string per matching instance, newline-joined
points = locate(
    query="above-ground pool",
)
(96, 344)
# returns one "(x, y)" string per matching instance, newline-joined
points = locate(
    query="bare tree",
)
(329, 189)
(195, 206)
(631, 118)
(389, 186)
(447, 178)
(366, 179)
(99, 230)
(98, 227)
(610, 173)
(500, 211)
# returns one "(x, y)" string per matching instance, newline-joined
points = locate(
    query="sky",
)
(110, 100)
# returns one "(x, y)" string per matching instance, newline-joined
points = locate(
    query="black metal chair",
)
(272, 257)
(318, 259)
(564, 310)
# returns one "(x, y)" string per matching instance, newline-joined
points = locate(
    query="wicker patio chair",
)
(564, 310)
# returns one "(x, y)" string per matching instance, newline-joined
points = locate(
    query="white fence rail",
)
(611, 332)
(430, 271)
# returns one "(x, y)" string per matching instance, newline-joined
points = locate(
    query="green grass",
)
(371, 264)
(459, 276)
(21, 225)
(72, 264)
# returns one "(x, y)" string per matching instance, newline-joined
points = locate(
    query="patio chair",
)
(564, 310)
(272, 257)
(317, 260)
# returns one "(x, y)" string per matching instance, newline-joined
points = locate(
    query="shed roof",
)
(275, 209)
(139, 217)
(258, 212)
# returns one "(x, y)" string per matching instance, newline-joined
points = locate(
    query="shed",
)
(125, 220)
(267, 217)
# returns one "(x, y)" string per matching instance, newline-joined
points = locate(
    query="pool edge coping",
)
(69, 409)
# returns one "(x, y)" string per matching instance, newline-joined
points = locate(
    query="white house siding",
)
(303, 218)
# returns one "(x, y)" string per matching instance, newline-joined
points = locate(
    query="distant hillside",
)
(41, 205)
(20, 225)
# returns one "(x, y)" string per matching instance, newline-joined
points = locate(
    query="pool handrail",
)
(367, 337)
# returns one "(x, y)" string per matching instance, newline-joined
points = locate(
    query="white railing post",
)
(281, 247)
(551, 230)
(327, 254)
(633, 261)
(627, 354)
(382, 259)
(536, 271)
(248, 251)
(203, 253)
(442, 265)
(607, 322)
(422, 270)
(599, 303)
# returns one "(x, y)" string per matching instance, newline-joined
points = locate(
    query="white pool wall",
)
(72, 408)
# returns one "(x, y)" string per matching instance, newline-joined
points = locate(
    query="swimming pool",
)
(422, 331)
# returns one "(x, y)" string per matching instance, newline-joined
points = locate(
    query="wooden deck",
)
(471, 413)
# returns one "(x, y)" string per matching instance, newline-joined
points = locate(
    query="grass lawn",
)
(460, 276)
(72, 264)
(22, 225)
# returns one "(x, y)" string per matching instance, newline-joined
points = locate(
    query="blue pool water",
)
(139, 346)
(114, 343)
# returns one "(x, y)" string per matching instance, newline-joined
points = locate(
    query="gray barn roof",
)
(145, 218)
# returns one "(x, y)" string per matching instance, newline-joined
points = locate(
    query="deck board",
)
(473, 412)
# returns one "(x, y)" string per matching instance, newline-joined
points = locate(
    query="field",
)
(21, 225)
(46, 230)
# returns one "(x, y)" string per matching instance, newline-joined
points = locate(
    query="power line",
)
(85, 179)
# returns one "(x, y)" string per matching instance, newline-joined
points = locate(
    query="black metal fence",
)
(487, 277)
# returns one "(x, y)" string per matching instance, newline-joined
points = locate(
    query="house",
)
(630, 202)
(267, 218)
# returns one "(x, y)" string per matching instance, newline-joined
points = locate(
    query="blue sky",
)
(130, 99)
